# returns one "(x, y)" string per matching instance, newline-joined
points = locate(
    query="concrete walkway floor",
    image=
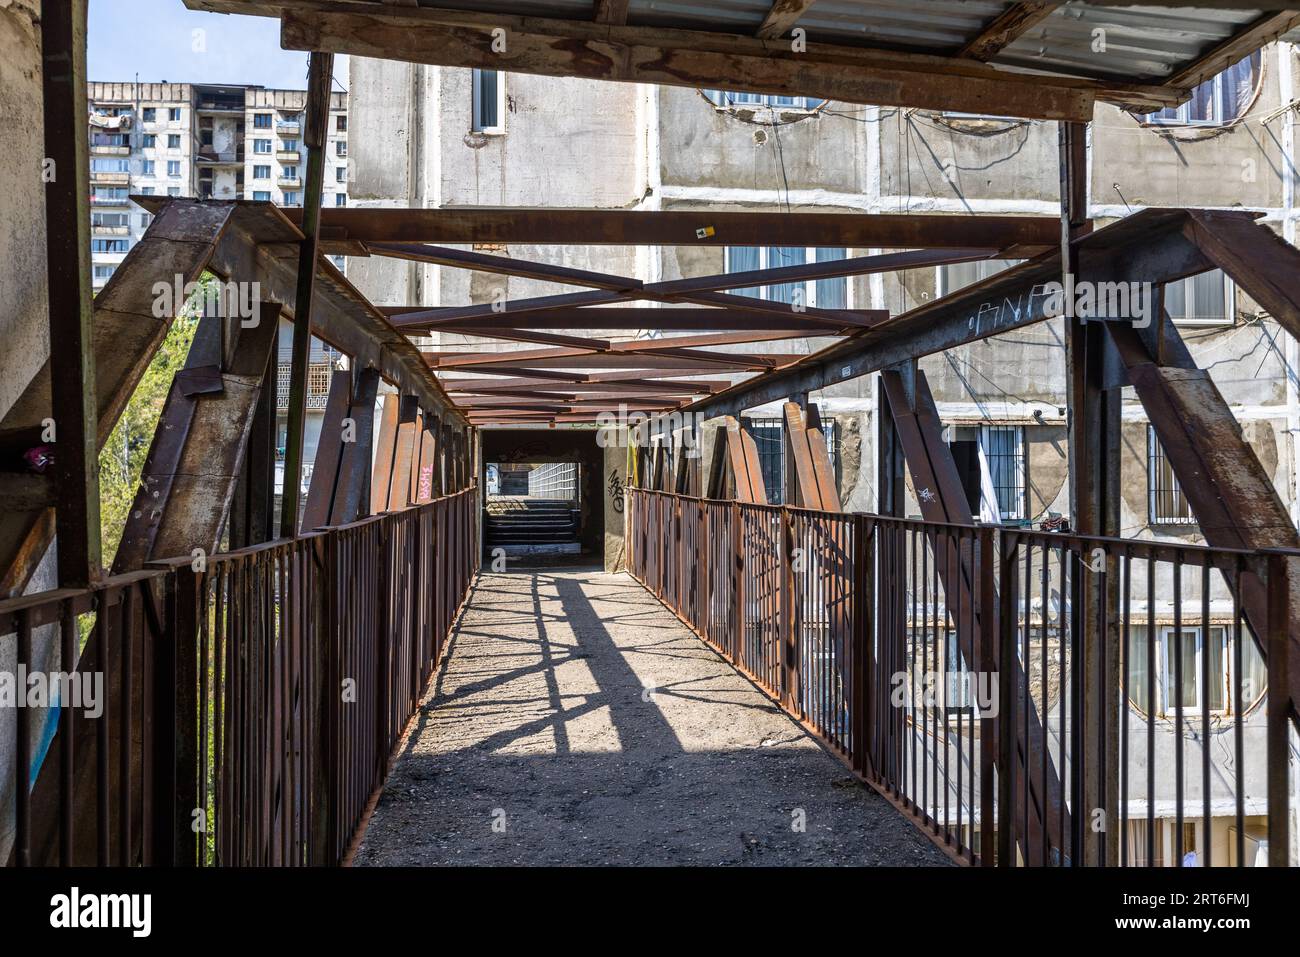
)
(576, 721)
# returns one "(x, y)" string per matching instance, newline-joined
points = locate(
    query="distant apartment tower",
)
(205, 141)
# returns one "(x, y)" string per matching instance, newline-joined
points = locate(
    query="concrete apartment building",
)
(205, 141)
(210, 142)
(473, 138)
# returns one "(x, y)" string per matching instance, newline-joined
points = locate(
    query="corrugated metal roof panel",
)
(1146, 42)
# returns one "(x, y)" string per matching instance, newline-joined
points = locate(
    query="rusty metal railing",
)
(250, 699)
(955, 670)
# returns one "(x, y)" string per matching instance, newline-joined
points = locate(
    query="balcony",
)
(207, 156)
(110, 179)
(288, 156)
(110, 230)
(289, 182)
(103, 149)
(110, 201)
(288, 127)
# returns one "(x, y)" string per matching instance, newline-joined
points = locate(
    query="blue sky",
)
(155, 39)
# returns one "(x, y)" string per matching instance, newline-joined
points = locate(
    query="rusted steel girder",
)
(943, 500)
(1231, 495)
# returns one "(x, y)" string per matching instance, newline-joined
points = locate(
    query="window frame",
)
(1229, 303)
(1020, 456)
(1156, 456)
(729, 100)
(809, 285)
(1182, 113)
(476, 123)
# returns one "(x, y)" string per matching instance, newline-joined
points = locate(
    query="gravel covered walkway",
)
(578, 722)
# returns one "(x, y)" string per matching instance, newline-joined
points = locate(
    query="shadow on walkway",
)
(577, 722)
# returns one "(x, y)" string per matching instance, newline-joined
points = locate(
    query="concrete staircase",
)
(531, 526)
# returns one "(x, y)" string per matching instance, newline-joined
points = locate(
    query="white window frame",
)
(1183, 111)
(1166, 660)
(475, 113)
(996, 508)
(809, 285)
(731, 99)
(1229, 305)
(941, 276)
(1153, 444)
(262, 147)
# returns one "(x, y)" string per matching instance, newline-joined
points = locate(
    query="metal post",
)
(321, 74)
(72, 358)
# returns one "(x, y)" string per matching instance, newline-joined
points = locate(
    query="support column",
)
(72, 359)
(321, 74)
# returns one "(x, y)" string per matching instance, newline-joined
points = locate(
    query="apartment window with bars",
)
(1004, 450)
(821, 293)
(1166, 503)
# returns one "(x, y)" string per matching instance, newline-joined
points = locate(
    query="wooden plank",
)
(702, 60)
(823, 467)
(399, 488)
(781, 18)
(1006, 28)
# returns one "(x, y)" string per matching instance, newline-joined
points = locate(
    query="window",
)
(149, 168)
(261, 146)
(959, 275)
(145, 220)
(261, 172)
(261, 121)
(109, 139)
(340, 199)
(104, 165)
(1166, 503)
(262, 195)
(109, 220)
(488, 102)
(292, 198)
(1219, 100)
(1206, 299)
(108, 245)
(340, 174)
(289, 146)
(104, 271)
(1179, 657)
(149, 115)
(341, 148)
(146, 190)
(173, 141)
(173, 168)
(726, 98)
(148, 141)
(174, 114)
(822, 293)
(109, 194)
(173, 190)
(1002, 447)
(341, 123)
(290, 172)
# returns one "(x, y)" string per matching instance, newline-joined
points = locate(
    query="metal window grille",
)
(768, 435)
(1004, 448)
(1166, 503)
